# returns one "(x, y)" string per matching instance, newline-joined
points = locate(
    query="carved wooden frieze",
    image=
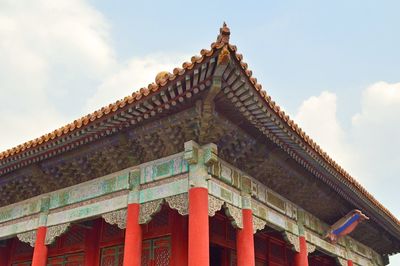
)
(292, 239)
(342, 262)
(214, 205)
(179, 202)
(310, 248)
(28, 237)
(149, 209)
(116, 217)
(235, 214)
(55, 231)
(258, 224)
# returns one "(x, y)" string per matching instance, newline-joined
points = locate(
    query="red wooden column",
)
(133, 232)
(40, 250)
(92, 241)
(179, 237)
(198, 227)
(133, 237)
(349, 263)
(199, 158)
(301, 258)
(245, 237)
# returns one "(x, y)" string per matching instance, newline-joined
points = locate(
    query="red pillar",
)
(133, 237)
(199, 254)
(92, 241)
(349, 263)
(40, 250)
(179, 240)
(301, 258)
(245, 240)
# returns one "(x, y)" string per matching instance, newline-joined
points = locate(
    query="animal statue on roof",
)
(345, 225)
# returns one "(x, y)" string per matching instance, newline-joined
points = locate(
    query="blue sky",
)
(332, 65)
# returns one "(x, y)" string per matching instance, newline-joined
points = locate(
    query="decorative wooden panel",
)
(271, 249)
(221, 231)
(112, 256)
(76, 259)
(22, 248)
(260, 262)
(146, 253)
(159, 220)
(260, 247)
(25, 263)
(162, 251)
(156, 252)
(233, 258)
(21, 254)
(74, 237)
(111, 232)
(321, 260)
(277, 252)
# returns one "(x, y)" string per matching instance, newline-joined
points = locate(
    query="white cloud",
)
(47, 48)
(378, 121)
(318, 117)
(132, 76)
(58, 63)
(369, 148)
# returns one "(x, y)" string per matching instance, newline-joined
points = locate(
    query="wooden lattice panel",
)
(321, 260)
(24, 263)
(112, 256)
(156, 252)
(162, 251)
(76, 259)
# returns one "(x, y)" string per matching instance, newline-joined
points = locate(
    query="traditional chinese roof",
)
(284, 132)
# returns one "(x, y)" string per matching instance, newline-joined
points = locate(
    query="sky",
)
(333, 66)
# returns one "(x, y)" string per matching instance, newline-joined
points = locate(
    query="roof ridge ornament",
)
(224, 34)
(345, 225)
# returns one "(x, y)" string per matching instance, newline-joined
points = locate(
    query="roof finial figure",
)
(224, 33)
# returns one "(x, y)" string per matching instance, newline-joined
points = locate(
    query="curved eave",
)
(263, 113)
(267, 117)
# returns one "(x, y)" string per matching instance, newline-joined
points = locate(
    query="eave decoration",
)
(345, 225)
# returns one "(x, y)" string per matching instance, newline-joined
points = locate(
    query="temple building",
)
(199, 168)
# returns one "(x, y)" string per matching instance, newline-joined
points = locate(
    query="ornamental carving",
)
(28, 237)
(116, 217)
(148, 209)
(236, 214)
(55, 231)
(310, 248)
(214, 205)
(258, 224)
(342, 262)
(293, 239)
(179, 202)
